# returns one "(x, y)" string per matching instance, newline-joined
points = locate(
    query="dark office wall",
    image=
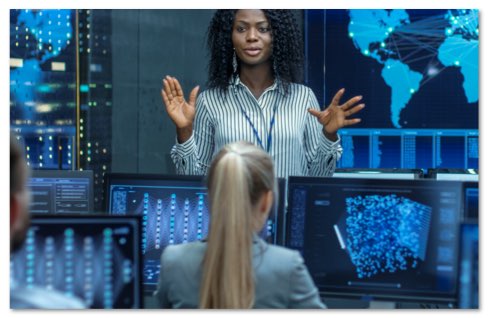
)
(146, 46)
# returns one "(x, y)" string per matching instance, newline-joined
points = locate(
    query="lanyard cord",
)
(271, 124)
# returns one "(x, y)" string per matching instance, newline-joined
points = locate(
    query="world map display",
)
(414, 68)
(371, 30)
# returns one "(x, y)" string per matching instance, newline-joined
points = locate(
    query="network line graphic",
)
(414, 50)
(383, 233)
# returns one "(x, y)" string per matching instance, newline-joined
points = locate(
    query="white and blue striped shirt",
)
(298, 147)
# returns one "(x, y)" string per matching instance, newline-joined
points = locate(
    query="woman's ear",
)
(262, 210)
(266, 202)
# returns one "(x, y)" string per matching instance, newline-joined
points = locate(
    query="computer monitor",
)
(454, 174)
(174, 209)
(61, 191)
(95, 258)
(469, 266)
(471, 200)
(378, 239)
(403, 174)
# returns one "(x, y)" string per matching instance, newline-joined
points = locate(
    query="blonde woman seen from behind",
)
(233, 267)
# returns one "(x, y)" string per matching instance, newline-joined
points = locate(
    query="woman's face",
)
(251, 37)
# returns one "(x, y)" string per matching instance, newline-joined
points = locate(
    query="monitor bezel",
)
(451, 174)
(371, 173)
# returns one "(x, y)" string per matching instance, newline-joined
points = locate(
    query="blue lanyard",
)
(271, 124)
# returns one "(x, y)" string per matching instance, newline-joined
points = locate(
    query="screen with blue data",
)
(384, 239)
(61, 191)
(418, 74)
(469, 266)
(96, 259)
(174, 210)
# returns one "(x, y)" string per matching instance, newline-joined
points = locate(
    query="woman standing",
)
(253, 95)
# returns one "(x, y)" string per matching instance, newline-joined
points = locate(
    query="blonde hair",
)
(238, 177)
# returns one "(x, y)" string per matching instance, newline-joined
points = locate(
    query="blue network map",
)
(385, 233)
(418, 73)
(436, 42)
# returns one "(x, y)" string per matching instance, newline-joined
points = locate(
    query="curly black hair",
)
(287, 56)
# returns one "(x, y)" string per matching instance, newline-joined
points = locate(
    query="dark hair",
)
(16, 162)
(287, 56)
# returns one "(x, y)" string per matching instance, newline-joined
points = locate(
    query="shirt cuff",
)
(327, 145)
(185, 149)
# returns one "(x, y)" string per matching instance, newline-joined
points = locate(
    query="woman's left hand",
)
(336, 116)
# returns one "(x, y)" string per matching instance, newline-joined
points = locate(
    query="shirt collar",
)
(235, 81)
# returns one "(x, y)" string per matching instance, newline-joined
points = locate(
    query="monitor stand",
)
(382, 304)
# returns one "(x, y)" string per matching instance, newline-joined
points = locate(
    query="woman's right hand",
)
(179, 110)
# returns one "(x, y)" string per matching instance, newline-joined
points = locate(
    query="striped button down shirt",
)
(298, 145)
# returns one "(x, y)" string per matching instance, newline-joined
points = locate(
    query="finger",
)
(166, 101)
(314, 112)
(350, 122)
(179, 91)
(167, 88)
(172, 86)
(165, 97)
(337, 97)
(193, 96)
(320, 115)
(351, 102)
(354, 110)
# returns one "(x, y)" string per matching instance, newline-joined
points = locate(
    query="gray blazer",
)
(281, 278)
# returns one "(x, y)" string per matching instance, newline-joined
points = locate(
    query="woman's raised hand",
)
(179, 110)
(336, 116)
